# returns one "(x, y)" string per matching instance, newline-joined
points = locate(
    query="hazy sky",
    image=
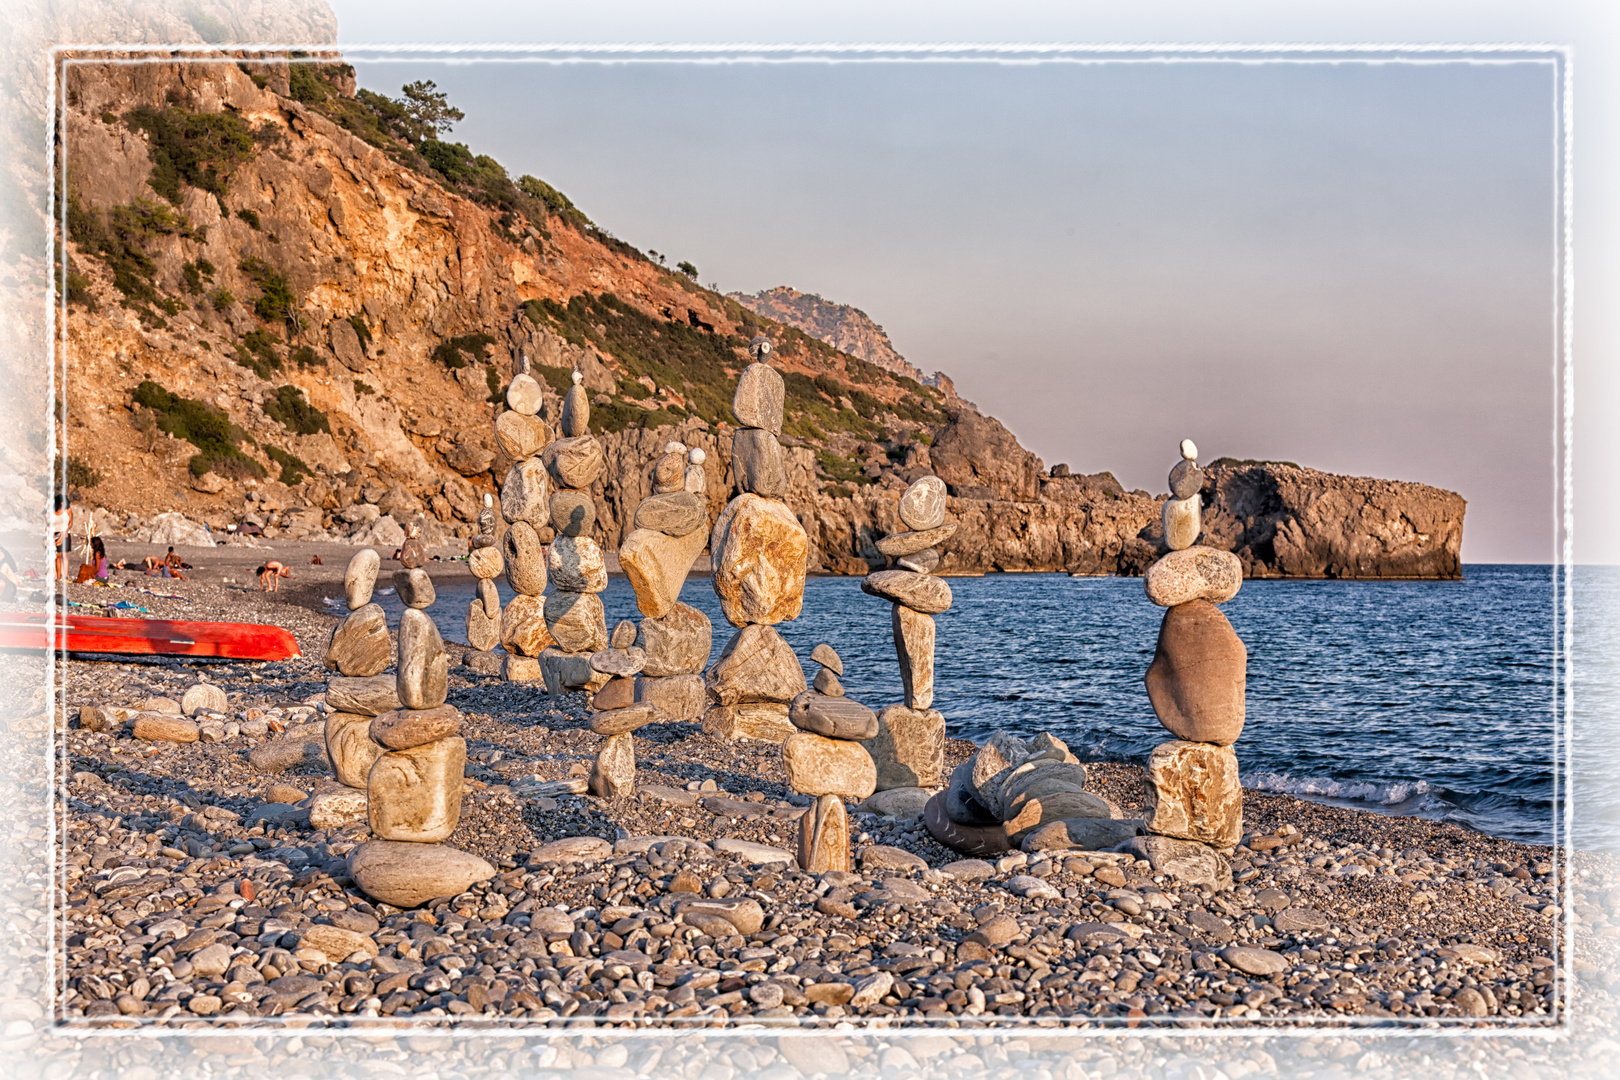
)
(1344, 265)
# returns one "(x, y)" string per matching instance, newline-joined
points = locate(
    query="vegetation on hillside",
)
(291, 411)
(203, 426)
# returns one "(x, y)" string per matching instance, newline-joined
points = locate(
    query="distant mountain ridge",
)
(847, 329)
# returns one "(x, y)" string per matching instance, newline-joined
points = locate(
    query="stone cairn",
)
(1196, 680)
(398, 740)
(484, 610)
(360, 651)
(521, 434)
(574, 619)
(654, 671)
(759, 554)
(825, 759)
(909, 743)
(670, 529)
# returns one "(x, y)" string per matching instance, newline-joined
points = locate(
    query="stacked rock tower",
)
(360, 651)
(671, 527)
(825, 758)
(759, 554)
(484, 560)
(617, 713)
(524, 505)
(574, 617)
(909, 744)
(1196, 680)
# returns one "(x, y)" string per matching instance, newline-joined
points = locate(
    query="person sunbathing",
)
(270, 574)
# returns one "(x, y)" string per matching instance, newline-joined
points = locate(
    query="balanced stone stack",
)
(825, 758)
(1023, 793)
(1196, 681)
(484, 610)
(525, 506)
(759, 553)
(360, 651)
(414, 784)
(909, 746)
(671, 527)
(573, 613)
(618, 713)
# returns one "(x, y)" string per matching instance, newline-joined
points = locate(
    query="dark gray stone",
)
(756, 462)
(833, 717)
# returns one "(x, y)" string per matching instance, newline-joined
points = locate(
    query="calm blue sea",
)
(1420, 698)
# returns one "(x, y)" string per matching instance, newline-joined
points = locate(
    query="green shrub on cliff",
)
(203, 426)
(291, 411)
(200, 149)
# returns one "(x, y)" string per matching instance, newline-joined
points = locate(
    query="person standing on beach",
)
(270, 573)
(62, 533)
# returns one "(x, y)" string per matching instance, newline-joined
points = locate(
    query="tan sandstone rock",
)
(1196, 573)
(657, 564)
(824, 837)
(523, 626)
(914, 647)
(407, 874)
(349, 747)
(766, 721)
(415, 794)
(909, 748)
(1194, 794)
(577, 621)
(576, 565)
(756, 665)
(759, 552)
(817, 765)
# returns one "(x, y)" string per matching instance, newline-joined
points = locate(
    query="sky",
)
(1349, 266)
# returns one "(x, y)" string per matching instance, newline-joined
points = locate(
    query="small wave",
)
(1385, 794)
(336, 603)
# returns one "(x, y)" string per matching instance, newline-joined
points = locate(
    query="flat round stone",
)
(623, 721)
(897, 545)
(621, 662)
(919, 592)
(832, 717)
(401, 729)
(523, 395)
(1254, 961)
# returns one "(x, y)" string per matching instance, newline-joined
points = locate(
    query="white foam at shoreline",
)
(1385, 794)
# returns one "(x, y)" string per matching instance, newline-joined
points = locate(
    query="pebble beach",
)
(196, 890)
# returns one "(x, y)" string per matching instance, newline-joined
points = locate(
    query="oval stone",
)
(574, 463)
(622, 721)
(1186, 479)
(900, 544)
(1250, 961)
(349, 747)
(1197, 679)
(668, 472)
(1182, 522)
(757, 402)
(405, 874)
(1195, 573)
(576, 412)
(925, 561)
(820, 766)
(825, 655)
(833, 717)
(485, 562)
(919, 592)
(576, 564)
(679, 513)
(401, 729)
(576, 621)
(415, 588)
(367, 697)
(524, 395)
(573, 513)
(424, 668)
(520, 435)
(525, 559)
(756, 463)
(922, 507)
(621, 662)
(525, 494)
(361, 577)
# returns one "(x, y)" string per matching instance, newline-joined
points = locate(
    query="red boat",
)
(93, 634)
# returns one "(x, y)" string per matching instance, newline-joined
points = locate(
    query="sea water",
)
(1435, 699)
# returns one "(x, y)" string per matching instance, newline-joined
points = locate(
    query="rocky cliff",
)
(289, 307)
(847, 329)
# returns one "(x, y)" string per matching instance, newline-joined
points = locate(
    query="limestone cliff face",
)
(1284, 521)
(847, 329)
(407, 304)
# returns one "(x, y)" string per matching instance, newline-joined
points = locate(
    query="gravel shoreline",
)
(195, 894)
